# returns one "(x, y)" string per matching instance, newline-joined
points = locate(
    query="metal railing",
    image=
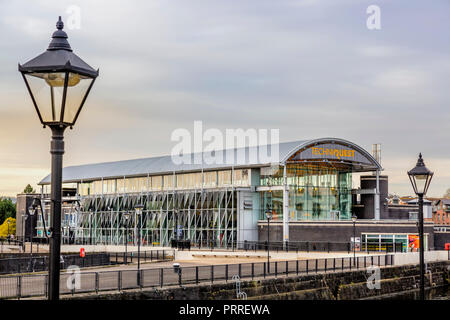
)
(21, 286)
(305, 246)
(39, 263)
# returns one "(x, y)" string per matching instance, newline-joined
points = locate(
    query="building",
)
(441, 212)
(308, 191)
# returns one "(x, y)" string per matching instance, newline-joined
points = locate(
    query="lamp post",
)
(7, 222)
(24, 218)
(126, 215)
(90, 226)
(269, 217)
(58, 82)
(420, 178)
(31, 211)
(139, 208)
(354, 238)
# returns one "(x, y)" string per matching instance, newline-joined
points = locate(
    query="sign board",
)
(248, 204)
(82, 253)
(413, 243)
(332, 151)
(356, 242)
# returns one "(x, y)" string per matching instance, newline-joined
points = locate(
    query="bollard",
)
(19, 286)
(196, 274)
(96, 282)
(46, 285)
(161, 277)
(226, 273)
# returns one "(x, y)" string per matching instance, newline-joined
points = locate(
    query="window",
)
(109, 186)
(155, 183)
(168, 182)
(210, 179)
(121, 185)
(241, 177)
(224, 178)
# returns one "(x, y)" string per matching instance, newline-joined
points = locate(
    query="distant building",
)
(441, 212)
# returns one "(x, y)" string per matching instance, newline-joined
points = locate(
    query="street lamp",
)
(90, 226)
(126, 215)
(269, 217)
(354, 238)
(31, 211)
(58, 82)
(139, 208)
(7, 222)
(420, 178)
(24, 218)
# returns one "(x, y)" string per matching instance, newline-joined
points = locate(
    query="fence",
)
(306, 246)
(40, 263)
(36, 285)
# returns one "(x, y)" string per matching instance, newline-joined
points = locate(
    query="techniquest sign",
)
(338, 153)
(333, 152)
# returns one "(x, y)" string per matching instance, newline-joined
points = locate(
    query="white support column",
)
(285, 208)
(377, 197)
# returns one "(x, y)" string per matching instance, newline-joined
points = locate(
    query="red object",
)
(447, 246)
(82, 253)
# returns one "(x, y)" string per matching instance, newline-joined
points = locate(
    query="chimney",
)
(376, 152)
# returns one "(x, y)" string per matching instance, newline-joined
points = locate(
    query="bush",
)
(4, 227)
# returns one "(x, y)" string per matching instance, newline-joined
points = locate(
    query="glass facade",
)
(316, 192)
(179, 181)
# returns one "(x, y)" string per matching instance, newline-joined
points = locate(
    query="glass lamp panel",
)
(77, 88)
(47, 90)
(421, 181)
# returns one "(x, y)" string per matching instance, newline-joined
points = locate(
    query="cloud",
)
(310, 68)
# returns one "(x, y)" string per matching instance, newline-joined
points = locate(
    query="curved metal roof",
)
(242, 158)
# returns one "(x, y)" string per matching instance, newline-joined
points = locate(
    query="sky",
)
(309, 68)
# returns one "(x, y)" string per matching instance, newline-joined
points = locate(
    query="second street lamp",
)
(59, 83)
(420, 178)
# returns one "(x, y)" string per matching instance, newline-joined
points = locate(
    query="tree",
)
(7, 209)
(29, 189)
(4, 227)
(447, 194)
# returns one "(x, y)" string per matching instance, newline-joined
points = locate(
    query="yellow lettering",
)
(338, 153)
